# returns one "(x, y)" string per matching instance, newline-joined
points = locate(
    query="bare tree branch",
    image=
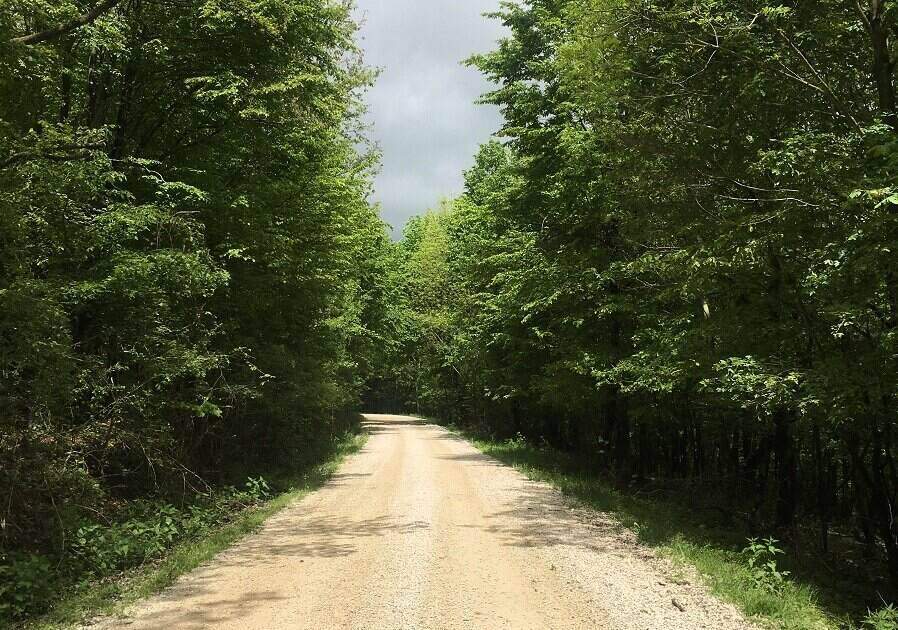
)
(70, 152)
(62, 29)
(839, 105)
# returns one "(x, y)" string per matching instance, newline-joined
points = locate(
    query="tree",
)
(191, 276)
(687, 269)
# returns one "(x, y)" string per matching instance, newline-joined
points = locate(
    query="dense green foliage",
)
(190, 272)
(682, 262)
(680, 265)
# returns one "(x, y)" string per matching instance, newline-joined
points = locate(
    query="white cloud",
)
(422, 108)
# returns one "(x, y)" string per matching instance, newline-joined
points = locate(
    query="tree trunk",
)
(883, 66)
(619, 432)
(787, 470)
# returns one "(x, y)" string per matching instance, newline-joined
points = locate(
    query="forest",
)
(677, 261)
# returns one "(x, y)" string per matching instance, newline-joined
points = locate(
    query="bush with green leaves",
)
(26, 582)
(760, 556)
(101, 549)
(885, 618)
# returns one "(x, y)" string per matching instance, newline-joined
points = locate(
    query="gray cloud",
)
(422, 109)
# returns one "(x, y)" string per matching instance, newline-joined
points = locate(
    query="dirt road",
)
(420, 530)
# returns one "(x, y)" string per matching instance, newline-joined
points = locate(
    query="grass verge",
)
(673, 533)
(112, 595)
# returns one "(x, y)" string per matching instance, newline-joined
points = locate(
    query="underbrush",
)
(756, 575)
(148, 544)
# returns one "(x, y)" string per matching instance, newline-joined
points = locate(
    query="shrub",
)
(882, 619)
(25, 584)
(761, 557)
(100, 549)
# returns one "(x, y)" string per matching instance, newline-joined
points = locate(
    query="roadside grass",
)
(112, 595)
(676, 534)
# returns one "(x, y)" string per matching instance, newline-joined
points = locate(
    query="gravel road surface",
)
(421, 530)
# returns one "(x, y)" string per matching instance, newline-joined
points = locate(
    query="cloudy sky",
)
(422, 108)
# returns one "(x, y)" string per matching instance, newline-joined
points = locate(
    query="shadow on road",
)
(213, 612)
(375, 424)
